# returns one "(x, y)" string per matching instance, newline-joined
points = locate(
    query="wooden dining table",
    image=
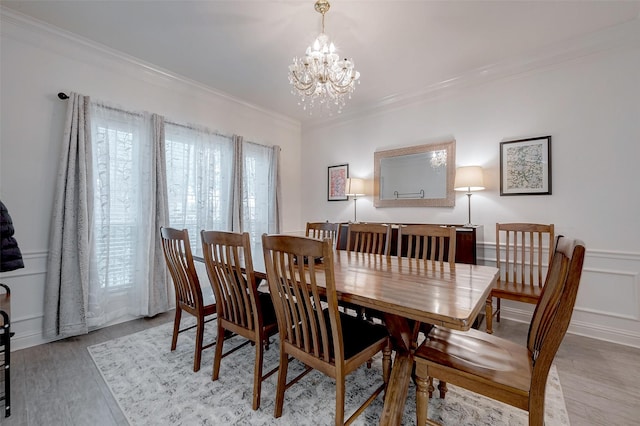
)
(409, 293)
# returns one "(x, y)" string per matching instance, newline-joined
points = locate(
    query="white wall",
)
(591, 108)
(36, 63)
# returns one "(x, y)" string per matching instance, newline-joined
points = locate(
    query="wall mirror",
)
(416, 176)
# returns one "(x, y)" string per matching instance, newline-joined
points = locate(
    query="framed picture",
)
(525, 166)
(337, 182)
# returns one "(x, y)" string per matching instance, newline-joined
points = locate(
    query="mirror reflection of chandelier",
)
(439, 158)
(321, 78)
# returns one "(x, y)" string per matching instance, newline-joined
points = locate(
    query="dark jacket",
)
(10, 256)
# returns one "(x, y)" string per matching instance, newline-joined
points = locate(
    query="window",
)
(123, 210)
(201, 176)
(199, 180)
(258, 190)
(117, 177)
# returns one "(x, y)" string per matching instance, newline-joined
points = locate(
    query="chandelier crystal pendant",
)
(321, 79)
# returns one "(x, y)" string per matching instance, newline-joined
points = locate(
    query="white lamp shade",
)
(355, 187)
(469, 178)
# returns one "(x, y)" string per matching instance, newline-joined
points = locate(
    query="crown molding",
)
(619, 37)
(623, 36)
(101, 53)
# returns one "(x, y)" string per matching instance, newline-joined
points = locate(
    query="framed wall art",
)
(337, 182)
(525, 166)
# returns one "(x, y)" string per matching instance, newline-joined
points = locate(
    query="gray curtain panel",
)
(274, 177)
(67, 281)
(237, 224)
(160, 289)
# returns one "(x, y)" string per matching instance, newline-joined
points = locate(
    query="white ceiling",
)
(243, 48)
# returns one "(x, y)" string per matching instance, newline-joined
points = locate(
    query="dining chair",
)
(500, 369)
(433, 243)
(322, 230)
(372, 238)
(521, 259)
(189, 295)
(240, 307)
(369, 238)
(312, 329)
(428, 242)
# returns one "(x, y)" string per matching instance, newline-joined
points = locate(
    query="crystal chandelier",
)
(320, 78)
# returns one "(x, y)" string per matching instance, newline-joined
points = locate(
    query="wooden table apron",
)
(408, 292)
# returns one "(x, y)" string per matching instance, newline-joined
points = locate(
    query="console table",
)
(467, 248)
(5, 345)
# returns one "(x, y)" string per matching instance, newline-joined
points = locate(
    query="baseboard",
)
(579, 328)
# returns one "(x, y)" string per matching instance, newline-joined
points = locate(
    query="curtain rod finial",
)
(63, 95)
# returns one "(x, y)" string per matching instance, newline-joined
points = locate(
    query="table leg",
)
(395, 397)
(404, 335)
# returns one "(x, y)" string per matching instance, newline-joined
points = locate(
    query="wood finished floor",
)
(58, 383)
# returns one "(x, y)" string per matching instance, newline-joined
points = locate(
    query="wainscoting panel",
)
(608, 303)
(27, 299)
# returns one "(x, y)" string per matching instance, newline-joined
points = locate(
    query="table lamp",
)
(355, 189)
(469, 179)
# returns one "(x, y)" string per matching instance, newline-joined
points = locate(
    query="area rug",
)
(155, 386)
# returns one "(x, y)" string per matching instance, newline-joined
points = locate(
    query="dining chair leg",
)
(282, 382)
(386, 364)
(422, 399)
(340, 391)
(199, 338)
(176, 328)
(489, 314)
(217, 358)
(257, 375)
(442, 387)
(536, 409)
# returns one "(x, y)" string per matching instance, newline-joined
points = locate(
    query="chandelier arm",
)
(337, 85)
(300, 84)
(320, 78)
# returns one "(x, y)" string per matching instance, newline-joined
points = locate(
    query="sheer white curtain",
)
(260, 187)
(200, 170)
(126, 217)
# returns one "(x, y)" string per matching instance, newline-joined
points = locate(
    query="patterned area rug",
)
(155, 386)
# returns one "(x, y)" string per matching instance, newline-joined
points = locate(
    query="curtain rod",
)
(63, 96)
(196, 127)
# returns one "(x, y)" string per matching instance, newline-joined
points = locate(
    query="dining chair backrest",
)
(520, 251)
(553, 311)
(521, 258)
(227, 257)
(369, 238)
(428, 242)
(322, 230)
(299, 271)
(177, 253)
